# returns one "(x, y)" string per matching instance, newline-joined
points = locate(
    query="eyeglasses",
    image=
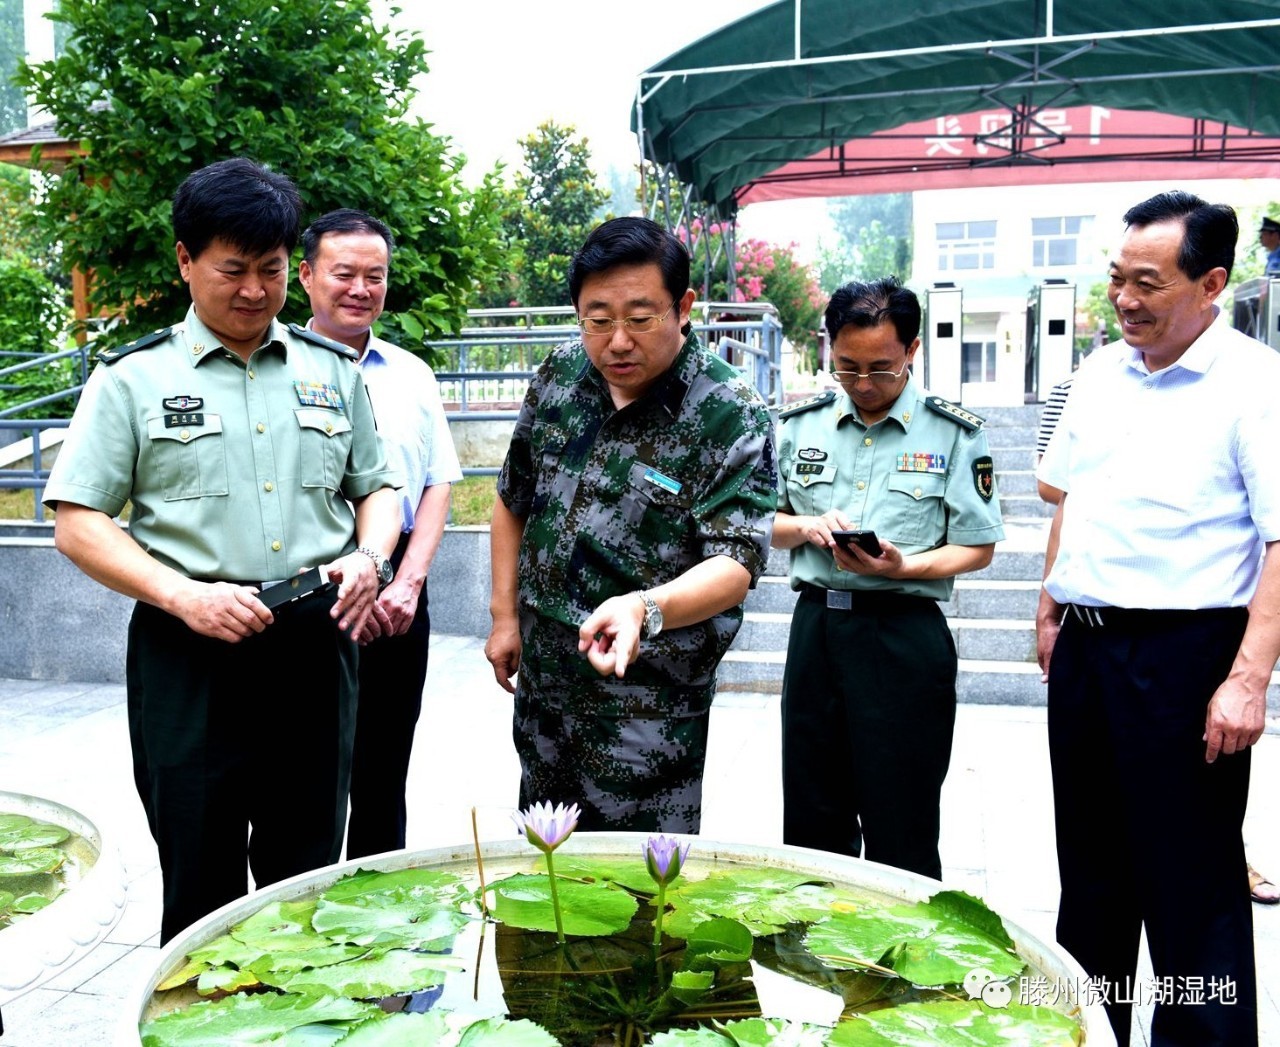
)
(879, 377)
(633, 324)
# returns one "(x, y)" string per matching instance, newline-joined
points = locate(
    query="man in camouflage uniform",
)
(636, 500)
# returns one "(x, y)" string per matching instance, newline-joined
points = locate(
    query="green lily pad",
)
(633, 875)
(410, 909)
(372, 977)
(224, 980)
(716, 942)
(36, 860)
(442, 1029)
(524, 900)
(251, 1019)
(13, 821)
(746, 1032)
(958, 1023)
(764, 900)
(37, 834)
(6, 903)
(30, 903)
(931, 943)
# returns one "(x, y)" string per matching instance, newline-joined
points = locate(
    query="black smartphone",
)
(864, 540)
(312, 581)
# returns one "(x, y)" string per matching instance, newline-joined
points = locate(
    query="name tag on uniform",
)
(662, 480)
(922, 462)
(809, 469)
(175, 421)
(318, 394)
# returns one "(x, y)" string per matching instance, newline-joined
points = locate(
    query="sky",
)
(499, 68)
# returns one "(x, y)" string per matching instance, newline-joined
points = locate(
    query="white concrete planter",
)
(1051, 960)
(39, 946)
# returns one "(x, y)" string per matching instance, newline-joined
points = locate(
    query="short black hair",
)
(239, 201)
(343, 220)
(631, 241)
(859, 304)
(1209, 231)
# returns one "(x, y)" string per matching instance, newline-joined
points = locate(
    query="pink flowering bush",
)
(764, 272)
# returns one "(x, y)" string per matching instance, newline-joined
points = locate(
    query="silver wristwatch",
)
(652, 624)
(380, 564)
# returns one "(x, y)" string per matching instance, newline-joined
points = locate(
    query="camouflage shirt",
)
(618, 500)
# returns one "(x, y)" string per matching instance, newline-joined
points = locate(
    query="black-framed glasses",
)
(878, 377)
(596, 325)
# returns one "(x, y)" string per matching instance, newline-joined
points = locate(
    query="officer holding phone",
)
(869, 693)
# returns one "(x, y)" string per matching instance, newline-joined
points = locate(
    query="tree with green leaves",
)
(155, 89)
(560, 205)
(873, 239)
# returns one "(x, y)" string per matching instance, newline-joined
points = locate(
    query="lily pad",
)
(251, 1019)
(6, 903)
(37, 834)
(36, 860)
(30, 903)
(524, 900)
(764, 900)
(411, 909)
(747, 1032)
(931, 943)
(13, 821)
(958, 1023)
(448, 1030)
(372, 977)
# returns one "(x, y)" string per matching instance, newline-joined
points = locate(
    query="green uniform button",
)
(261, 428)
(866, 442)
(917, 492)
(275, 546)
(251, 374)
(862, 485)
(268, 486)
(185, 434)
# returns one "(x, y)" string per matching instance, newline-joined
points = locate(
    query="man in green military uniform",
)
(242, 446)
(633, 514)
(869, 692)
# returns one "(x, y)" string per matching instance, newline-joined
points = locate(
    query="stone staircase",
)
(991, 612)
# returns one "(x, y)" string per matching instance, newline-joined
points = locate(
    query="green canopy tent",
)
(793, 95)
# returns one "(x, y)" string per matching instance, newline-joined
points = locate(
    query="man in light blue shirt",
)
(345, 267)
(1269, 237)
(1159, 625)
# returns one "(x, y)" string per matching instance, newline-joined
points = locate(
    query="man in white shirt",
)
(1159, 625)
(345, 267)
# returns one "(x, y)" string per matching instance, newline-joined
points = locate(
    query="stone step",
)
(1025, 506)
(1011, 439)
(1015, 415)
(978, 683)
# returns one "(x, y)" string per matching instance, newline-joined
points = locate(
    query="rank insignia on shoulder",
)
(110, 356)
(327, 343)
(821, 400)
(972, 422)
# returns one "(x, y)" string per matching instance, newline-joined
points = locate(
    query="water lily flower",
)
(664, 857)
(546, 827)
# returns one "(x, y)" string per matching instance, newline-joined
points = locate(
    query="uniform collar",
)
(670, 388)
(1199, 355)
(203, 344)
(369, 354)
(904, 410)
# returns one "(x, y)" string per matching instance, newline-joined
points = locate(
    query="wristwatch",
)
(383, 566)
(652, 624)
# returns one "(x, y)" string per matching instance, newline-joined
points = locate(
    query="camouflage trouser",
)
(630, 754)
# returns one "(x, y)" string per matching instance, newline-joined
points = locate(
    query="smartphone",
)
(864, 540)
(313, 581)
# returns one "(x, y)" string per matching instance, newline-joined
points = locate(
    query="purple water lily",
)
(665, 857)
(547, 827)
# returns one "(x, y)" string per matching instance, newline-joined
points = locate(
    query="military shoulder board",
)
(328, 343)
(955, 412)
(110, 356)
(821, 400)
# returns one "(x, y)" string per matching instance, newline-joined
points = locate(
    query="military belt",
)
(879, 601)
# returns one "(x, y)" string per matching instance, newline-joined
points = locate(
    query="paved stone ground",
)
(69, 742)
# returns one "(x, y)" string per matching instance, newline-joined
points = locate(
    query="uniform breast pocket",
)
(657, 510)
(914, 511)
(811, 487)
(324, 447)
(190, 460)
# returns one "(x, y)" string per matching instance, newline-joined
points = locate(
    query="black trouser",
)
(393, 672)
(868, 713)
(231, 736)
(1147, 831)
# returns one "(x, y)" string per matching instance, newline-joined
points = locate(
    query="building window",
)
(978, 361)
(1056, 241)
(966, 245)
